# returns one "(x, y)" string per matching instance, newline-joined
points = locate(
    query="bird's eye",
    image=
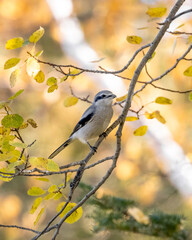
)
(103, 95)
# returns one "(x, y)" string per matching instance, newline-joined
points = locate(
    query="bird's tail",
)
(59, 149)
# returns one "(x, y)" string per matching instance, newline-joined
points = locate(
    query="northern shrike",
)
(93, 122)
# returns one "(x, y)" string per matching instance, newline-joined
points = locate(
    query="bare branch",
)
(167, 71)
(19, 227)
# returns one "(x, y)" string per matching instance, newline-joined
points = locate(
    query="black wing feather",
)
(87, 116)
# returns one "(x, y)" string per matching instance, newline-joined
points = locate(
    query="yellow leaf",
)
(16, 94)
(38, 162)
(36, 35)
(6, 177)
(11, 166)
(14, 43)
(181, 25)
(36, 204)
(49, 196)
(40, 77)
(32, 122)
(68, 177)
(75, 72)
(134, 39)
(42, 179)
(52, 88)
(121, 98)
(159, 117)
(188, 72)
(190, 96)
(12, 62)
(63, 78)
(33, 67)
(70, 101)
(140, 131)
(149, 115)
(51, 81)
(138, 215)
(58, 196)
(156, 12)
(131, 118)
(74, 217)
(35, 191)
(163, 100)
(153, 55)
(24, 125)
(189, 40)
(38, 54)
(52, 166)
(15, 75)
(11, 156)
(52, 188)
(39, 215)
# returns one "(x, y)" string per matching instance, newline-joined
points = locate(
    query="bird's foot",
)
(92, 147)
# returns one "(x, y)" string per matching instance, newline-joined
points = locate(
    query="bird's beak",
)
(114, 96)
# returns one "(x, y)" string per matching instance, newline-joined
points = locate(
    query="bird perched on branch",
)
(93, 122)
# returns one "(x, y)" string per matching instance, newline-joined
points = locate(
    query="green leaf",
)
(14, 43)
(70, 101)
(134, 39)
(12, 121)
(188, 72)
(40, 77)
(156, 12)
(15, 75)
(39, 215)
(52, 166)
(163, 100)
(35, 191)
(51, 81)
(16, 94)
(140, 131)
(4, 104)
(74, 217)
(12, 62)
(36, 36)
(18, 144)
(36, 204)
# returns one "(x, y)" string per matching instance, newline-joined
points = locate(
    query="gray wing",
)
(86, 117)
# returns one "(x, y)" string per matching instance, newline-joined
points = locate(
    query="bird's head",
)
(104, 97)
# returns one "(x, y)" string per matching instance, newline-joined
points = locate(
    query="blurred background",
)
(141, 173)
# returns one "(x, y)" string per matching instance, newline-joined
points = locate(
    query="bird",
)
(93, 122)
